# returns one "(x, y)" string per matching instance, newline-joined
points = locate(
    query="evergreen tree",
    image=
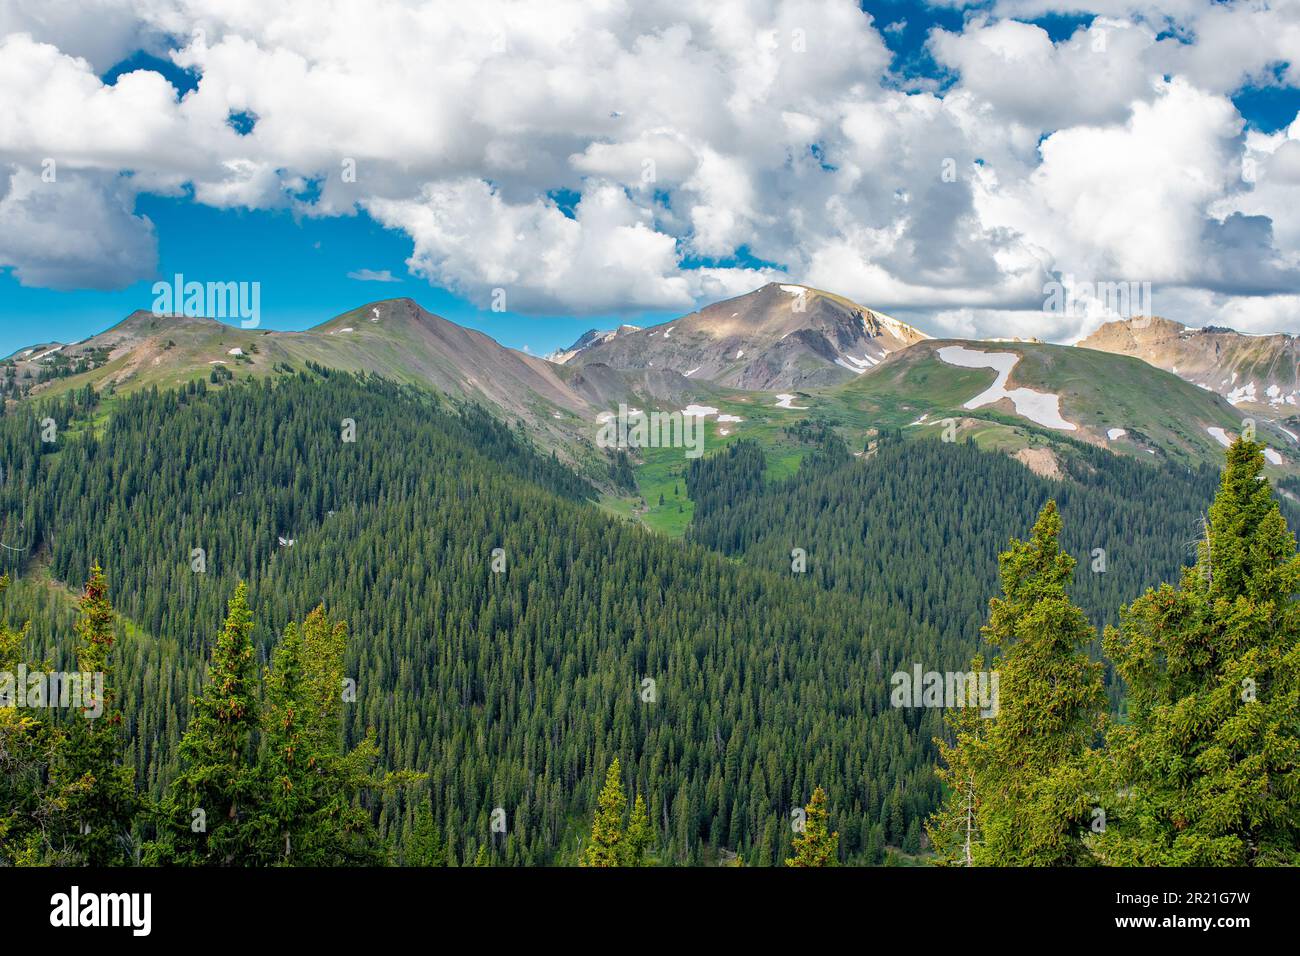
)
(426, 846)
(639, 834)
(27, 744)
(815, 846)
(95, 793)
(1207, 769)
(449, 656)
(607, 844)
(1033, 784)
(314, 786)
(208, 817)
(954, 828)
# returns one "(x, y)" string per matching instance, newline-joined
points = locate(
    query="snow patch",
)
(855, 365)
(729, 418)
(699, 411)
(783, 401)
(1246, 393)
(1272, 457)
(899, 329)
(1219, 435)
(1113, 433)
(1043, 408)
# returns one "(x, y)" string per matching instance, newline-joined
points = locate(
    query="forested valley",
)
(507, 643)
(921, 524)
(511, 688)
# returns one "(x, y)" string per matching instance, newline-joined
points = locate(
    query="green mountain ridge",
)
(1116, 402)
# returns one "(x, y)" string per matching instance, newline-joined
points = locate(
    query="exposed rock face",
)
(586, 341)
(778, 337)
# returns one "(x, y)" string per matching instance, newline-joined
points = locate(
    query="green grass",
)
(189, 359)
(664, 474)
(662, 471)
(1098, 391)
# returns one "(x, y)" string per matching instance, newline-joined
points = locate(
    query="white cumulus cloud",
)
(593, 157)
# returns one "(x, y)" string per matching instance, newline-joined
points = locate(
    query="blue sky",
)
(852, 205)
(301, 263)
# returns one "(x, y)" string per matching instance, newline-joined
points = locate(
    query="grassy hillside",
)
(1162, 416)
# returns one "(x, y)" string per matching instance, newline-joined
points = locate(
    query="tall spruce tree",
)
(1207, 769)
(208, 817)
(816, 845)
(426, 846)
(94, 791)
(640, 836)
(1034, 769)
(314, 785)
(607, 844)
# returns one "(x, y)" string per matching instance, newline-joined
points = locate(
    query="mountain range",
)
(752, 366)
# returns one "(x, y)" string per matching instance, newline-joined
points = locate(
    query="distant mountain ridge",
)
(1247, 370)
(586, 341)
(393, 337)
(825, 356)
